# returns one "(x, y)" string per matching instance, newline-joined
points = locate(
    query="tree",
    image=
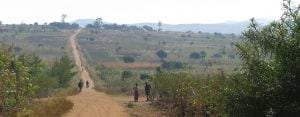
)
(63, 17)
(148, 28)
(217, 56)
(144, 76)
(203, 55)
(194, 55)
(173, 65)
(33, 63)
(62, 69)
(161, 54)
(126, 75)
(39, 73)
(98, 23)
(269, 83)
(74, 26)
(36, 24)
(191, 43)
(16, 88)
(128, 59)
(60, 25)
(159, 26)
(89, 26)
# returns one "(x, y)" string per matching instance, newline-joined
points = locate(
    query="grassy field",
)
(108, 47)
(47, 45)
(104, 52)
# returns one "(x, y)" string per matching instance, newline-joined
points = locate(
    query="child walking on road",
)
(136, 93)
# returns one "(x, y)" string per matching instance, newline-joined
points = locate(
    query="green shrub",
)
(161, 54)
(145, 77)
(216, 56)
(173, 65)
(126, 75)
(195, 55)
(128, 59)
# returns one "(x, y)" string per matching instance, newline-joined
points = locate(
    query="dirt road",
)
(90, 103)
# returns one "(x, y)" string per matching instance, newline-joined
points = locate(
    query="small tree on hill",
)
(194, 55)
(145, 77)
(203, 55)
(128, 59)
(161, 54)
(159, 26)
(63, 17)
(126, 75)
(98, 23)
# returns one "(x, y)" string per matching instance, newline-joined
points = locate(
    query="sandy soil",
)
(90, 103)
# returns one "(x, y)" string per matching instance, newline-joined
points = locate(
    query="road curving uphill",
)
(90, 103)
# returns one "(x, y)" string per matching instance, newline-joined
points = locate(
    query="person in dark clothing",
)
(87, 84)
(136, 93)
(80, 85)
(147, 90)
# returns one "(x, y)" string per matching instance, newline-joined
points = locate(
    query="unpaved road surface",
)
(90, 103)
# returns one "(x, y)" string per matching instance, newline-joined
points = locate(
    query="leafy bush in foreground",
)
(190, 95)
(269, 83)
(16, 87)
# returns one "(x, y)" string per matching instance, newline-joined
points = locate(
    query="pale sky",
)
(139, 11)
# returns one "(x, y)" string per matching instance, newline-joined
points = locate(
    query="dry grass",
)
(52, 107)
(144, 109)
(141, 108)
(137, 65)
(68, 91)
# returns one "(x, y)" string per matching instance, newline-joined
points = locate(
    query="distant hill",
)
(228, 27)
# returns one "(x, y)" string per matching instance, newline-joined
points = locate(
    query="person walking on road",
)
(136, 93)
(87, 84)
(147, 90)
(80, 85)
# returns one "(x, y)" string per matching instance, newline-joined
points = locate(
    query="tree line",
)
(98, 24)
(52, 26)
